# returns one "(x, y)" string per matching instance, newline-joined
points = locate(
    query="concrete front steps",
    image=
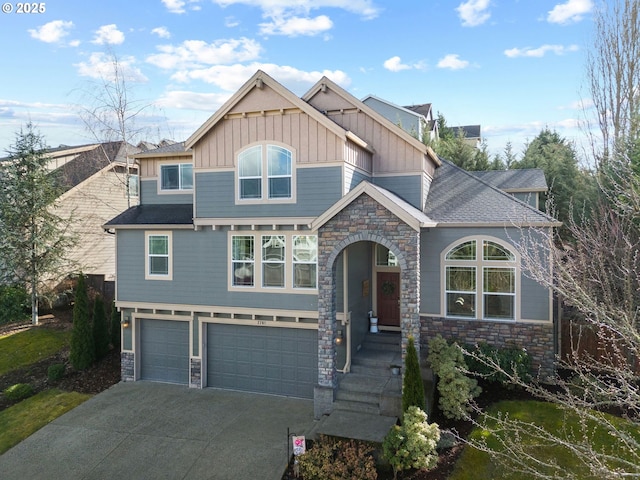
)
(374, 384)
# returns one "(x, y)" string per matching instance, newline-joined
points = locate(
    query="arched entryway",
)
(362, 220)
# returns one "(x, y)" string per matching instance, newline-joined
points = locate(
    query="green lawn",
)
(477, 465)
(30, 415)
(24, 348)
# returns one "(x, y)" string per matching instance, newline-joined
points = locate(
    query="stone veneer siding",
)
(362, 220)
(536, 338)
(127, 366)
(195, 373)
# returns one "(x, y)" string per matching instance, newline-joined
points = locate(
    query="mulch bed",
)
(99, 377)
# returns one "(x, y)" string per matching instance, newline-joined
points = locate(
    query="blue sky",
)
(513, 67)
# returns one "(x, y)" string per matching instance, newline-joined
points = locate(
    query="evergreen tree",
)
(82, 353)
(100, 329)
(412, 385)
(33, 238)
(115, 326)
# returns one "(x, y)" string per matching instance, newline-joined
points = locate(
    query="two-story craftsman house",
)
(262, 243)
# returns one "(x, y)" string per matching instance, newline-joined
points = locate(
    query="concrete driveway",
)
(155, 431)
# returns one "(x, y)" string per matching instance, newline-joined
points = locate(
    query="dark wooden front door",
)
(388, 295)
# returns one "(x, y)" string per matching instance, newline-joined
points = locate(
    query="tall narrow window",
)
(250, 173)
(176, 177)
(243, 261)
(279, 171)
(273, 260)
(305, 261)
(158, 262)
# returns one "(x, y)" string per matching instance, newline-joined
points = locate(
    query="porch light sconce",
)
(125, 323)
(339, 338)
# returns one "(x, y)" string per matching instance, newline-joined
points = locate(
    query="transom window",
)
(158, 264)
(265, 173)
(274, 261)
(176, 177)
(480, 280)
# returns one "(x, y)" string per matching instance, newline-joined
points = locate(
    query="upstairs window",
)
(176, 177)
(480, 281)
(265, 172)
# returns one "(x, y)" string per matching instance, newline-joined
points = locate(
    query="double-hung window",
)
(176, 177)
(243, 260)
(480, 280)
(158, 256)
(265, 172)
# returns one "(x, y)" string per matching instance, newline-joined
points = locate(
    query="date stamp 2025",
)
(24, 8)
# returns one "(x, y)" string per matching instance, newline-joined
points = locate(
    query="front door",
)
(388, 298)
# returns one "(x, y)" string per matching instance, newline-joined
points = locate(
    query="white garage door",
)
(281, 361)
(164, 351)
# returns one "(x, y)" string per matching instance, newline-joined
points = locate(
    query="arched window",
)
(480, 280)
(265, 173)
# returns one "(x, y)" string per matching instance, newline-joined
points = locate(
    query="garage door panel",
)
(164, 351)
(280, 361)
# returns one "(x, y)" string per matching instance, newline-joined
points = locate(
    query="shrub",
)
(82, 352)
(331, 459)
(55, 372)
(100, 329)
(412, 445)
(456, 390)
(512, 360)
(14, 303)
(115, 326)
(19, 391)
(412, 385)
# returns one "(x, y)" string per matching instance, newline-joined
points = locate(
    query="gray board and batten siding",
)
(200, 274)
(535, 301)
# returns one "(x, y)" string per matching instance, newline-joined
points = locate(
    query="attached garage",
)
(281, 361)
(164, 351)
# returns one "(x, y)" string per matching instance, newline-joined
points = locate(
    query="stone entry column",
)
(362, 220)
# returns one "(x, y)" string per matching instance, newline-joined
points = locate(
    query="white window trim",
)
(147, 236)
(264, 199)
(258, 263)
(480, 266)
(177, 191)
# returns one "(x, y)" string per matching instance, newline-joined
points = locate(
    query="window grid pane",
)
(273, 260)
(493, 251)
(279, 171)
(243, 260)
(305, 256)
(464, 251)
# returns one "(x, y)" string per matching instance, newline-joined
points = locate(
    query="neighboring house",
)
(470, 133)
(262, 243)
(417, 120)
(93, 178)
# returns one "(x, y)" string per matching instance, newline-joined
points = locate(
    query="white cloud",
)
(108, 35)
(452, 61)
(540, 51)
(162, 32)
(100, 66)
(175, 6)
(570, 12)
(231, 77)
(192, 100)
(52, 32)
(231, 22)
(365, 8)
(394, 64)
(474, 12)
(295, 26)
(195, 53)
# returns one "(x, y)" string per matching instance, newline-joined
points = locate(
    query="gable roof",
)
(324, 83)
(169, 150)
(259, 79)
(516, 180)
(459, 198)
(423, 109)
(409, 214)
(87, 163)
